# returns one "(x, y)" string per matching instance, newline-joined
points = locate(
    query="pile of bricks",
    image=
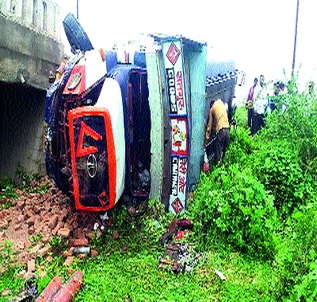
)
(35, 219)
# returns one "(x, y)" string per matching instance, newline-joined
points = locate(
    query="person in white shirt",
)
(260, 105)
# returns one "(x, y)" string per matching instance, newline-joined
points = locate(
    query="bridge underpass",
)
(21, 128)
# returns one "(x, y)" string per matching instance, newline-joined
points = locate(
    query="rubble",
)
(35, 219)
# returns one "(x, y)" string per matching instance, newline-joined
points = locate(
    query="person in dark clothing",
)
(218, 122)
(249, 103)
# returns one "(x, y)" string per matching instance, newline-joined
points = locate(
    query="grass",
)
(117, 274)
(134, 276)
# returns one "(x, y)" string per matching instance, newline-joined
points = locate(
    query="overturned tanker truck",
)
(130, 128)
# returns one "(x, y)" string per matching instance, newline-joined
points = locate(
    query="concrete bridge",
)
(30, 47)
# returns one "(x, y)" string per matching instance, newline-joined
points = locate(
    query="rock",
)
(35, 250)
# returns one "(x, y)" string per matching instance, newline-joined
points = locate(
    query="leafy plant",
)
(6, 252)
(7, 189)
(232, 207)
(278, 169)
(56, 241)
(295, 261)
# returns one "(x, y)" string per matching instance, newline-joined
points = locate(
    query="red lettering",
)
(179, 88)
(183, 166)
(181, 184)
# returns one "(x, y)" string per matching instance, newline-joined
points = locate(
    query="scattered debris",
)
(175, 226)
(82, 250)
(180, 257)
(29, 292)
(220, 274)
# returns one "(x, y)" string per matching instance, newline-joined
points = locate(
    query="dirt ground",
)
(36, 222)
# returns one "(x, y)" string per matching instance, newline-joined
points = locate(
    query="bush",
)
(240, 148)
(278, 169)
(231, 207)
(295, 261)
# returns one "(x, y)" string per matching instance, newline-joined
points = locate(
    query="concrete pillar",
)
(16, 8)
(27, 12)
(57, 22)
(36, 13)
(50, 21)
(44, 6)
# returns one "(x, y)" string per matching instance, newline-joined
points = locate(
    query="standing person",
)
(61, 68)
(218, 122)
(249, 103)
(260, 105)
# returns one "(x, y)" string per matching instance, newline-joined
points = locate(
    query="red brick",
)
(45, 250)
(63, 214)
(53, 222)
(69, 261)
(90, 235)
(64, 232)
(68, 253)
(4, 224)
(29, 213)
(46, 238)
(49, 259)
(17, 226)
(31, 266)
(30, 222)
(20, 205)
(79, 242)
(78, 233)
(70, 271)
(31, 230)
(34, 251)
(4, 213)
(20, 245)
(82, 256)
(94, 253)
(37, 209)
(20, 218)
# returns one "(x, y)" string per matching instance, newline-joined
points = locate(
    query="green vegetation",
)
(7, 193)
(255, 220)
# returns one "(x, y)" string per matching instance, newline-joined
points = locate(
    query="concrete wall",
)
(30, 47)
